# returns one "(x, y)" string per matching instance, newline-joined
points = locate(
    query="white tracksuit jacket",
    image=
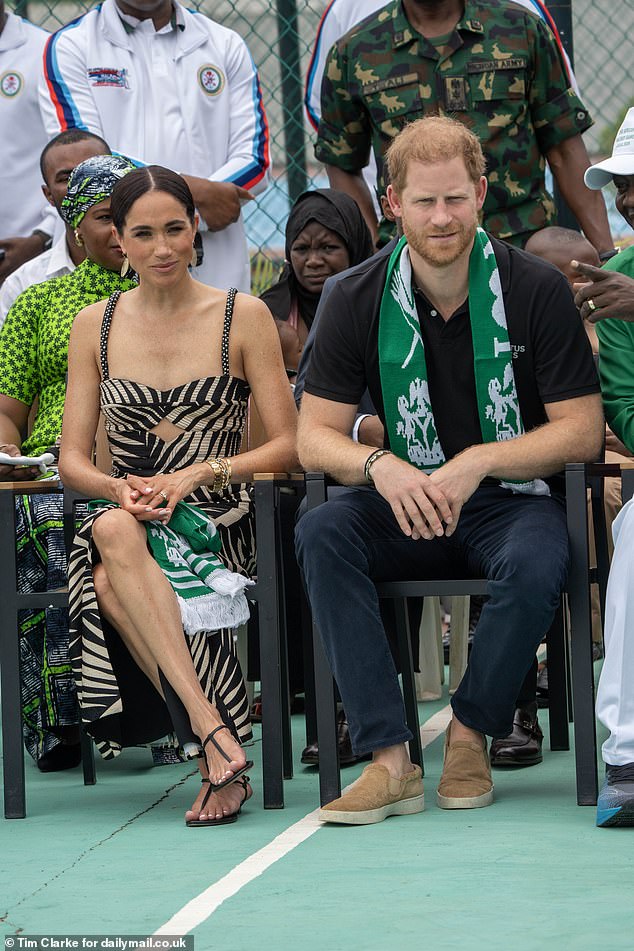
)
(22, 135)
(187, 97)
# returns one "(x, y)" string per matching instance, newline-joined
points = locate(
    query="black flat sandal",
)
(227, 782)
(224, 820)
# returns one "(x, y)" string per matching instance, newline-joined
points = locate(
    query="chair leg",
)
(568, 665)
(581, 639)
(438, 618)
(329, 776)
(459, 642)
(428, 681)
(88, 759)
(557, 692)
(12, 742)
(309, 672)
(279, 586)
(270, 665)
(409, 679)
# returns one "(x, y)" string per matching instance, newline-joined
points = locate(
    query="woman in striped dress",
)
(171, 366)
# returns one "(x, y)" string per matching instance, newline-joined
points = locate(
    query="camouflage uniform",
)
(499, 72)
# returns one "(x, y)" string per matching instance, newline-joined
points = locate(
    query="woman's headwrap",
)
(90, 182)
(339, 213)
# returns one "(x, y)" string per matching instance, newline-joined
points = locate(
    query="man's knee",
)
(537, 580)
(322, 532)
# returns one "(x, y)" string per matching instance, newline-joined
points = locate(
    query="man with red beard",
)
(483, 398)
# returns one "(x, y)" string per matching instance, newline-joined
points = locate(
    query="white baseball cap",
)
(621, 162)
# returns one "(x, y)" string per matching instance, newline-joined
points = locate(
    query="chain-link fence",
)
(280, 36)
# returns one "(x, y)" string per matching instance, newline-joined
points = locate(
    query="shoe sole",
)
(404, 807)
(619, 816)
(508, 761)
(346, 761)
(465, 802)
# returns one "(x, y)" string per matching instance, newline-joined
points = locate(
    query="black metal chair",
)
(12, 603)
(330, 784)
(268, 592)
(579, 477)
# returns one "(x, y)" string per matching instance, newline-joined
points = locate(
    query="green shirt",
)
(34, 344)
(500, 72)
(616, 361)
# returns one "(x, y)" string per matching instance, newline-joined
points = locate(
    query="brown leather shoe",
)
(376, 795)
(466, 776)
(522, 747)
(310, 753)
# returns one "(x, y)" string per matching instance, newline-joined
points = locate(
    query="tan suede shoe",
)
(375, 796)
(466, 777)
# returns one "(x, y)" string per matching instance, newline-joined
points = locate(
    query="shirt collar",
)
(131, 23)
(14, 33)
(403, 33)
(59, 260)
(503, 259)
(97, 280)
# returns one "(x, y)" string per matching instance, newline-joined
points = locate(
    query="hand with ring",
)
(155, 496)
(603, 292)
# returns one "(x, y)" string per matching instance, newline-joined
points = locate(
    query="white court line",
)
(196, 911)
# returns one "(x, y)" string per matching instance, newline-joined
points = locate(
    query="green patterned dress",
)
(33, 364)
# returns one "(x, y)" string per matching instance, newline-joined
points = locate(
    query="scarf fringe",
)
(228, 583)
(536, 487)
(212, 611)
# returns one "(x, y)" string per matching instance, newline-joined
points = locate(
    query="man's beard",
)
(440, 254)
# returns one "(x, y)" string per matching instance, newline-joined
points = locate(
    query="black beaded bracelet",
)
(369, 462)
(606, 255)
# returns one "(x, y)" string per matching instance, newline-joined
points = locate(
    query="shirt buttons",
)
(433, 313)
(581, 115)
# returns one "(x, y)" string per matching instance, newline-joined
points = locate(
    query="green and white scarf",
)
(409, 416)
(209, 595)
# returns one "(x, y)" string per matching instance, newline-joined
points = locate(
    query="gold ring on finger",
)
(591, 304)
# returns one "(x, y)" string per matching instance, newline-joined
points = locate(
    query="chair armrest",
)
(277, 477)
(35, 487)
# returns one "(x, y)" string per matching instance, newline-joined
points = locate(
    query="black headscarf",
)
(339, 213)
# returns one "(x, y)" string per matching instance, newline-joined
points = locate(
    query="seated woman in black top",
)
(325, 234)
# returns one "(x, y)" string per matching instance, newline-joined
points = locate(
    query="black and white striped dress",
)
(119, 705)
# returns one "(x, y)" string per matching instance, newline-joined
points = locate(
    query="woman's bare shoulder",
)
(87, 323)
(251, 310)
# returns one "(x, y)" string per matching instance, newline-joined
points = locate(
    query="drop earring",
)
(194, 258)
(79, 241)
(125, 266)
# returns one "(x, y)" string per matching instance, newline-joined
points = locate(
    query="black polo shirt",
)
(552, 358)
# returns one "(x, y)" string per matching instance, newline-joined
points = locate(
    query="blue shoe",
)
(615, 806)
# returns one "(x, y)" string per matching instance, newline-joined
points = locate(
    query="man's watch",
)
(606, 255)
(47, 239)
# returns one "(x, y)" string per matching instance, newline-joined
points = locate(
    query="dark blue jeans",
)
(518, 542)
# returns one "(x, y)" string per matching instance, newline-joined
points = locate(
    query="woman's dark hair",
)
(150, 178)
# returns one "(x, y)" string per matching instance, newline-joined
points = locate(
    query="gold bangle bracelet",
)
(226, 463)
(216, 485)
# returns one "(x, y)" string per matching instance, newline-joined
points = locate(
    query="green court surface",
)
(530, 872)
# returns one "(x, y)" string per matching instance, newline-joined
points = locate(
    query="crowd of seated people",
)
(455, 466)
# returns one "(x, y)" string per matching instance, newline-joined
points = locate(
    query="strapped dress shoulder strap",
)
(105, 330)
(231, 299)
